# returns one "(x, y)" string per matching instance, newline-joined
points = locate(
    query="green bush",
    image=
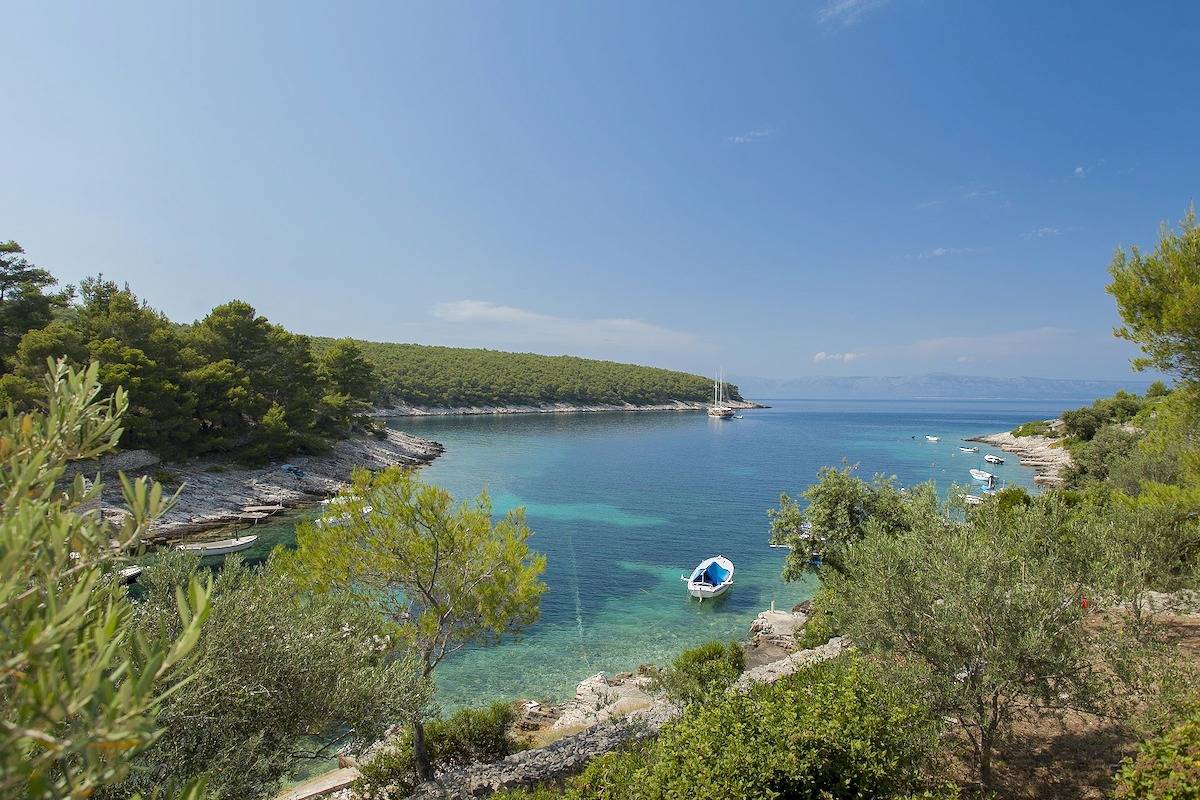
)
(1034, 428)
(840, 729)
(703, 672)
(466, 737)
(1166, 767)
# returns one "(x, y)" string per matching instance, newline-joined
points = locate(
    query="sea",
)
(625, 503)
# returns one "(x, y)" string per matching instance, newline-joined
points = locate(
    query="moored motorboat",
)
(993, 459)
(982, 475)
(711, 578)
(933, 438)
(968, 449)
(972, 499)
(220, 547)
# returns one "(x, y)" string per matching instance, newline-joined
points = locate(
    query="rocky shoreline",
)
(552, 408)
(216, 494)
(1048, 457)
(606, 714)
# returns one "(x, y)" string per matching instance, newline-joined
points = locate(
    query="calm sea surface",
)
(622, 504)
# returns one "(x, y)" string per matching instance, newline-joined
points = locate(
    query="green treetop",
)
(1158, 295)
(446, 576)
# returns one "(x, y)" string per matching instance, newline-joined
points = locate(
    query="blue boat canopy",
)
(712, 573)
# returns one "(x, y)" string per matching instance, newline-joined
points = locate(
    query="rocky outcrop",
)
(598, 699)
(215, 494)
(551, 408)
(789, 665)
(558, 760)
(1047, 456)
(777, 628)
(571, 753)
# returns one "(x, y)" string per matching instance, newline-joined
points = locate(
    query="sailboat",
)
(719, 408)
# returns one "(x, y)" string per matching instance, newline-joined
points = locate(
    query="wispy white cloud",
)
(979, 193)
(1041, 233)
(1083, 171)
(930, 204)
(845, 13)
(940, 252)
(844, 358)
(749, 137)
(511, 324)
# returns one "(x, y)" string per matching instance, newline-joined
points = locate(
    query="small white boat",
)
(972, 499)
(711, 578)
(981, 475)
(993, 459)
(129, 574)
(968, 449)
(933, 438)
(220, 547)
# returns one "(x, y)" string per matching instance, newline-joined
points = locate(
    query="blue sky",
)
(847, 187)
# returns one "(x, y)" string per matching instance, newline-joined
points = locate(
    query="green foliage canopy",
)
(445, 576)
(1158, 296)
(80, 687)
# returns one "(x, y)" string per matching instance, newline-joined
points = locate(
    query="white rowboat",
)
(711, 578)
(220, 547)
(981, 475)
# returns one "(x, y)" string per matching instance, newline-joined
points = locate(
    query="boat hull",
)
(706, 592)
(220, 548)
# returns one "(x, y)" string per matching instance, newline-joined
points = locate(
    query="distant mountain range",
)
(932, 386)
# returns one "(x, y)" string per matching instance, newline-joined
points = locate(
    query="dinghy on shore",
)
(129, 574)
(711, 578)
(220, 547)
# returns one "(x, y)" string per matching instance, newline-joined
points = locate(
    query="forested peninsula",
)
(423, 376)
(235, 386)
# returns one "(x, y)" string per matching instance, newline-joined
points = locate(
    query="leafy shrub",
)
(1095, 458)
(1034, 428)
(1011, 497)
(703, 672)
(466, 737)
(818, 628)
(1166, 767)
(836, 730)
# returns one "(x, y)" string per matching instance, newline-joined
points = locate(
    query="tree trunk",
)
(985, 761)
(420, 753)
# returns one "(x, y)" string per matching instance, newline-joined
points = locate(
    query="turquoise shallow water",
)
(624, 503)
